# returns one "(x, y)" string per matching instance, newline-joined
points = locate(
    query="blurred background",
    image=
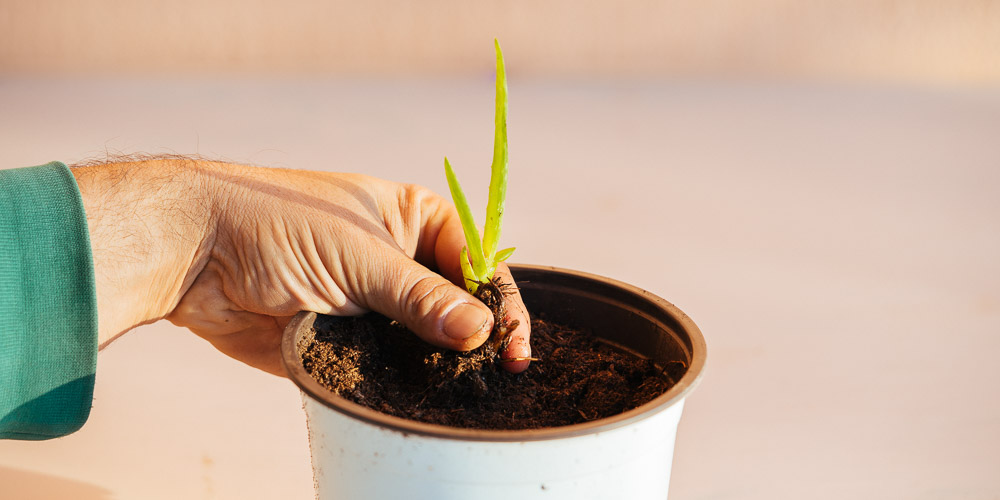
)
(816, 183)
(917, 41)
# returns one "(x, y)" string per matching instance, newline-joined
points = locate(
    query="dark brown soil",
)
(377, 363)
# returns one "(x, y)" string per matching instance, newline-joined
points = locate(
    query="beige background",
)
(937, 41)
(816, 183)
(837, 246)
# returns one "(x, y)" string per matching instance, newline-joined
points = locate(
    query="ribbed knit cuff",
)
(48, 304)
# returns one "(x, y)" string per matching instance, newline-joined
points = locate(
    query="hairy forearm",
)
(151, 231)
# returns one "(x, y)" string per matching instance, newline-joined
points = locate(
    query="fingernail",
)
(464, 321)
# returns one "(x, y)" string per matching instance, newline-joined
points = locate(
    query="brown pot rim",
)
(296, 372)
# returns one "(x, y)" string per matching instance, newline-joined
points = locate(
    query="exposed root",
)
(511, 360)
(493, 293)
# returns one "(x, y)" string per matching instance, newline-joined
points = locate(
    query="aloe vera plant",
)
(479, 258)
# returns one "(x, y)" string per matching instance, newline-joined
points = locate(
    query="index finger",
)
(519, 348)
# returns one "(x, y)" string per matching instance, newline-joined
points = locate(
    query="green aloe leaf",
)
(505, 254)
(475, 249)
(471, 282)
(498, 175)
(483, 252)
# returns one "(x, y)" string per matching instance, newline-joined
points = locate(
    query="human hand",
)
(273, 242)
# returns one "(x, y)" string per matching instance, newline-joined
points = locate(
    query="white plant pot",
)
(359, 453)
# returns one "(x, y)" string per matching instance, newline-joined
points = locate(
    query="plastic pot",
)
(359, 453)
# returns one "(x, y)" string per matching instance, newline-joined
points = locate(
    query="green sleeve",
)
(48, 304)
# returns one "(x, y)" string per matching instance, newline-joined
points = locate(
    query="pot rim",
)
(675, 395)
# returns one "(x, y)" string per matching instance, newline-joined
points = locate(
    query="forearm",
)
(151, 231)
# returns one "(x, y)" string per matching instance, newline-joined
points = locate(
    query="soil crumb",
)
(377, 363)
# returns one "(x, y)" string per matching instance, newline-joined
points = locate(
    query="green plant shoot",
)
(479, 258)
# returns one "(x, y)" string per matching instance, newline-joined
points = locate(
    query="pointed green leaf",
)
(468, 223)
(471, 282)
(505, 254)
(498, 175)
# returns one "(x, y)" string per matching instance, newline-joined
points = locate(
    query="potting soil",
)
(375, 362)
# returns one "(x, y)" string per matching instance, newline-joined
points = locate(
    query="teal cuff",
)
(48, 304)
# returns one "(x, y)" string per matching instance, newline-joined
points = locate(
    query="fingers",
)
(258, 345)
(448, 247)
(248, 337)
(432, 307)
(520, 346)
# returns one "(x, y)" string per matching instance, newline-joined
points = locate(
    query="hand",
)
(232, 252)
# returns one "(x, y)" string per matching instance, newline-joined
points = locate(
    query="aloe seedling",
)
(479, 259)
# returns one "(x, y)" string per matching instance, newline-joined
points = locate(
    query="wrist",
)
(151, 229)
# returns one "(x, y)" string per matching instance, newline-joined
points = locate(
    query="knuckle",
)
(422, 212)
(416, 200)
(424, 295)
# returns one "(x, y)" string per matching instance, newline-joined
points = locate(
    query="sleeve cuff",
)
(48, 304)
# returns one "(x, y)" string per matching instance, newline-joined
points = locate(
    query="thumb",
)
(432, 307)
